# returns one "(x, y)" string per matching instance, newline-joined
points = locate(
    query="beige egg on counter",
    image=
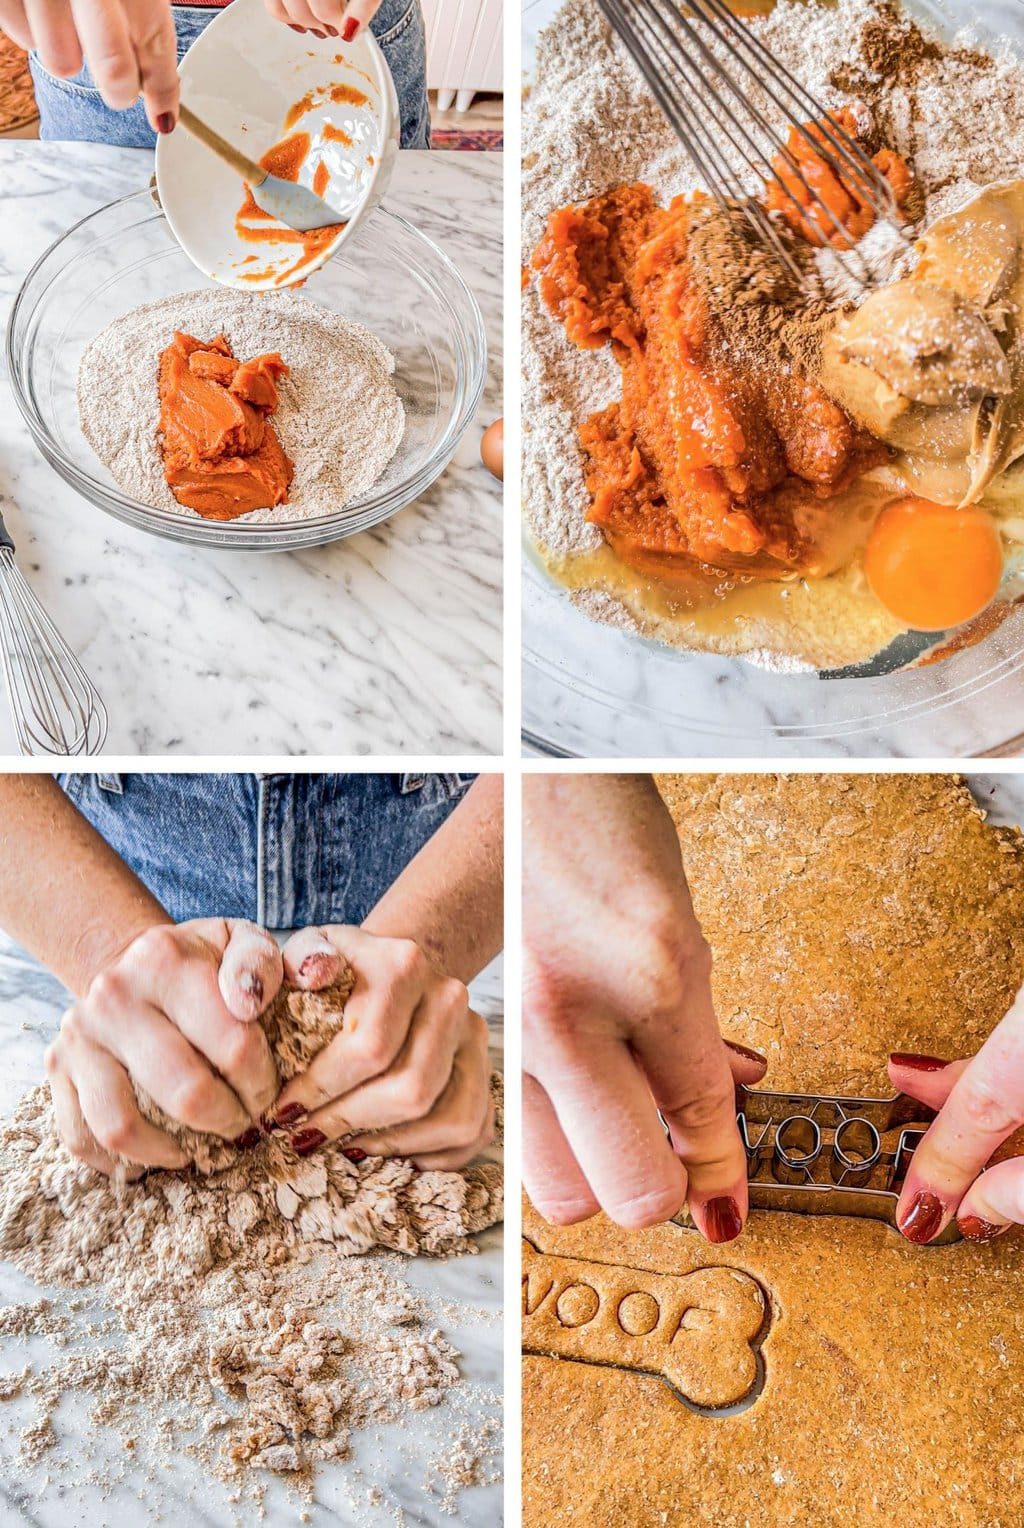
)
(492, 449)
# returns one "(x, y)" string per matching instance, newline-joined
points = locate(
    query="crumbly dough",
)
(298, 1025)
(893, 1376)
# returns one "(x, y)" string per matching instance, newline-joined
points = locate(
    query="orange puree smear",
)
(222, 457)
(841, 196)
(348, 95)
(284, 159)
(701, 467)
(321, 178)
(332, 134)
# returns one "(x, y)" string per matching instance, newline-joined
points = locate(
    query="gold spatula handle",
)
(247, 168)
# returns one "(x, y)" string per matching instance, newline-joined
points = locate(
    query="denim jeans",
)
(282, 850)
(74, 109)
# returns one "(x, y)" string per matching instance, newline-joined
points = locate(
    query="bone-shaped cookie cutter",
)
(817, 1154)
(700, 1332)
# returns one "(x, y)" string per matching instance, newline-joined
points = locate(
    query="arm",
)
(449, 898)
(64, 894)
(408, 1074)
(164, 1006)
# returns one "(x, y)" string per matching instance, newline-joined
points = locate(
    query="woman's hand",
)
(408, 1074)
(173, 1015)
(618, 1017)
(981, 1104)
(129, 45)
(325, 18)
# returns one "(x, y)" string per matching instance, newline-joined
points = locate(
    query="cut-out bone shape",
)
(698, 1331)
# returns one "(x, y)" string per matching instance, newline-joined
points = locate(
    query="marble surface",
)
(396, 1459)
(388, 641)
(590, 691)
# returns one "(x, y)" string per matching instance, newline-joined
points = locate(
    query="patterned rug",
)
(17, 102)
(456, 138)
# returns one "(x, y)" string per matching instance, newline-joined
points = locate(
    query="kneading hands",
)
(175, 1016)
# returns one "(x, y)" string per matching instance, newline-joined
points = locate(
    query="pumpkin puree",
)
(705, 465)
(222, 456)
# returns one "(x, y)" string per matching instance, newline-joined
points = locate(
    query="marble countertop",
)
(395, 1459)
(388, 641)
(591, 691)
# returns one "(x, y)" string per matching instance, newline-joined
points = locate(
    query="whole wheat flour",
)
(245, 1330)
(590, 123)
(339, 416)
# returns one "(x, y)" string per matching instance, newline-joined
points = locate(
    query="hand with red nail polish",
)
(619, 1021)
(129, 45)
(408, 1075)
(172, 1015)
(345, 19)
(965, 1165)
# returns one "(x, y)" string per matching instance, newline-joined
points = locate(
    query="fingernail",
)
(745, 1050)
(923, 1218)
(293, 28)
(321, 35)
(332, 31)
(918, 1063)
(350, 29)
(253, 984)
(165, 122)
(305, 1141)
(248, 1139)
(974, 1229)
(354, 1153)
(722, 1221)
(288, 1114)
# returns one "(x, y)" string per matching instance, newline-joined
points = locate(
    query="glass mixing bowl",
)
(391, 278)
(591, 690)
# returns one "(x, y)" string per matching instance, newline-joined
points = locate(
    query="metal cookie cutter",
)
(818, 1155)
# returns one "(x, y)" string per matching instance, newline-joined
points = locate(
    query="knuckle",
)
(106, 992)
(408, 959)
(157, 947)
(374, 1049)
(238, 1051)
(115, 1133)
(453, 994)
(52, 1061)
(705, 1112)
(986, 1112)
(416, 1097)
(192, 1099)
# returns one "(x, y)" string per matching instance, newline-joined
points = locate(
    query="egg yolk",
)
(933, 566)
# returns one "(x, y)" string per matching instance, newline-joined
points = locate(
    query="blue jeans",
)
(74, 109)
(283, 850)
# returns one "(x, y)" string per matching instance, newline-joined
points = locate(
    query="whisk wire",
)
(55, 705)
(702, 99)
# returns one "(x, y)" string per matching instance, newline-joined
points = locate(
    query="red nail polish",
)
(923, 1218)
(722, 1220)
(305, 1141)
(300, 30)
(918, 1063)
(350, 29)
(354, 1153)
(974, 1229)
(288, 1114)
(745, 1050)
(248, 1139)
(332, 31)
(165, 122)
(321, 35)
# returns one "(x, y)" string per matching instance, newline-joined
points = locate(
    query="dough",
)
(298, 1025)
(849, 915)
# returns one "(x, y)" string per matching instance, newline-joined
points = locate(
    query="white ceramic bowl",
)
(244, 75)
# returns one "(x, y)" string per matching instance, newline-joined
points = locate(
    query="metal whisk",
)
(704, 92)
(56, 708)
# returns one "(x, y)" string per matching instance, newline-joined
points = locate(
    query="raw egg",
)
(492, 449)
(931, 565)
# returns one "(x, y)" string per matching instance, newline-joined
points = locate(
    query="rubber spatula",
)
(286, 200)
